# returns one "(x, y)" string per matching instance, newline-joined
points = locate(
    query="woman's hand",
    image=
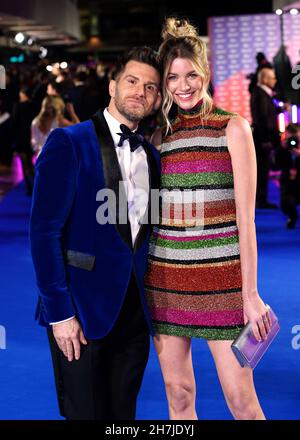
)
(70, 108)
(256, 312)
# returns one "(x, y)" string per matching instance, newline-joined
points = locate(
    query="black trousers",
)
(263, 168)
(104, 383)
(290, 199)
(263, 160)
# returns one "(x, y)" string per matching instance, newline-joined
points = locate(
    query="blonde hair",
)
(181, 40)
(59, 105)
(52, 107)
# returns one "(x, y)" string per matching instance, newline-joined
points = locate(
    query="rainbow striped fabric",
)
(193, 284)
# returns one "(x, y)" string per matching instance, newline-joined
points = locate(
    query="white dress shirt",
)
(135, 174)
(267, 89)
(134, 169)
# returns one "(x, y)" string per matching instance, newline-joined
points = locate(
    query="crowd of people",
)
(274, 151)
(36, 101)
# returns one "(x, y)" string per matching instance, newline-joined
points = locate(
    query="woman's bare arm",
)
(242, 151)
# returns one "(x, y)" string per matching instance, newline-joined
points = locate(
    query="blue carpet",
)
(26, 380)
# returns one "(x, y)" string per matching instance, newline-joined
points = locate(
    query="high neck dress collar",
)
(192, 111)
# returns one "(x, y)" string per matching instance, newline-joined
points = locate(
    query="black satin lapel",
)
(113, 175)
(154, 181)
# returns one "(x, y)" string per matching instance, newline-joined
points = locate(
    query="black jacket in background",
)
(264, 117)
(22, 117)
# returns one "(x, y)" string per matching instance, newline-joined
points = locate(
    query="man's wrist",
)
(60, 322)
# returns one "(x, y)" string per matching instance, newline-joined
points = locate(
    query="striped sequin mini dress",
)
(193, 283)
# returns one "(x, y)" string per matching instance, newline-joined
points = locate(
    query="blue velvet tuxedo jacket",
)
(82, 267)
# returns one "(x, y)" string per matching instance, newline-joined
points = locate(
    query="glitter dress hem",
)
(208, 334)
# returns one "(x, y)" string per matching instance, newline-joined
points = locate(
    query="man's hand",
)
(296, 151)
(68, 336)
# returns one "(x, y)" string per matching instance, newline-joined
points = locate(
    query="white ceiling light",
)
(19, 38)
(43, 52)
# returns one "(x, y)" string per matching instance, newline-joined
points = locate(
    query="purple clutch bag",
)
(247, 349)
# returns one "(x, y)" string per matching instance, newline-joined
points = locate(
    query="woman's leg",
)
(175, 358)
(237, 383)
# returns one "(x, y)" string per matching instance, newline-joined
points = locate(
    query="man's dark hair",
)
(142, 54)
(81, 76)
(260, 56)
(44, 77)
(56, 86)
(26, 90)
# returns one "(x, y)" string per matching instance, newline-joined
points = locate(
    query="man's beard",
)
(131, 114)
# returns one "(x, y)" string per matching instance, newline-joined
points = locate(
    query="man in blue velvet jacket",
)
(89, 262)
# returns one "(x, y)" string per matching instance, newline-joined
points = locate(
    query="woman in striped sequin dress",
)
(201, 280)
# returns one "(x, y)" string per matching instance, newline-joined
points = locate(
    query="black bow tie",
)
(135, 139)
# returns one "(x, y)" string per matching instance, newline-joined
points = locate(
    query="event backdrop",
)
(234, 42)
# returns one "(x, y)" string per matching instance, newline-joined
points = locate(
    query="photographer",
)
(287, 159)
